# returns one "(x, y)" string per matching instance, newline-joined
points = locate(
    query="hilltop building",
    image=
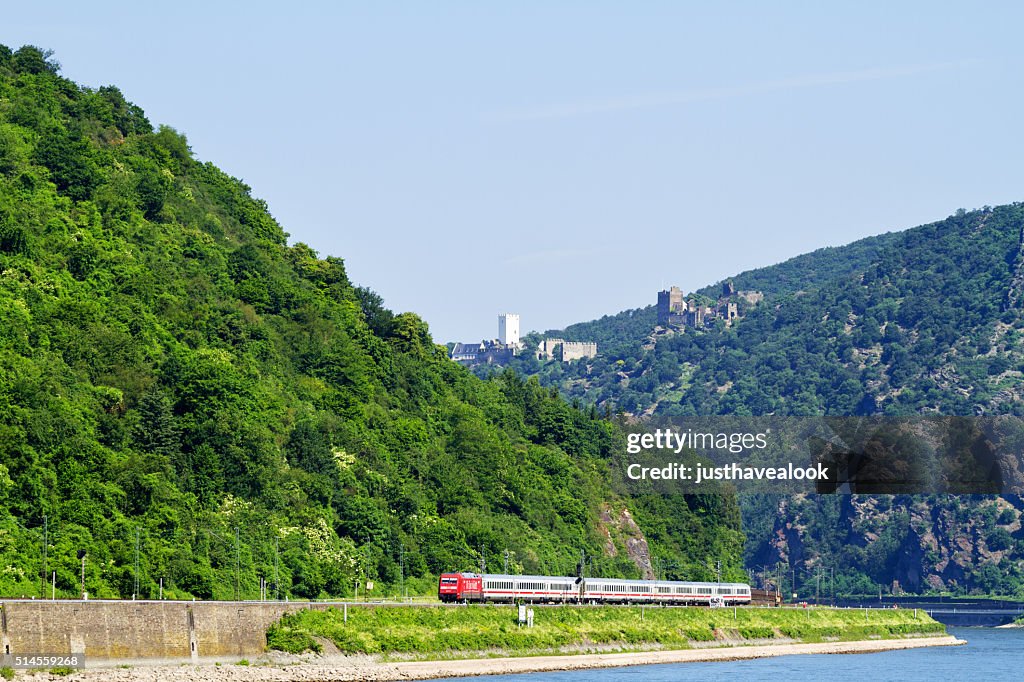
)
(677, 310)
(485, 352)
(508, 329)
(670, 304)
(509, 344)
(560, 349)
(493, 351)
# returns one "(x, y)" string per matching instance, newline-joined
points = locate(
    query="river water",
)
(990, 654)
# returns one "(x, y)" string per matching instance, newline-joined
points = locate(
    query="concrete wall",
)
(130, 630)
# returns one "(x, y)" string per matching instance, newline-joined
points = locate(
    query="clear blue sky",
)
(565, 160)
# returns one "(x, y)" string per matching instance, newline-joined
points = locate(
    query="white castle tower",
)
(508, 329)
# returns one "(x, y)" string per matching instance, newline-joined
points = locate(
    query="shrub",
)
(757, 632)
(699, 634)
(291, 640)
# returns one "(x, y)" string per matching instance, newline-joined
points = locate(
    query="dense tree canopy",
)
(174, 376)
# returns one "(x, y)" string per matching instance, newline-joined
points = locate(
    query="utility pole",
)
(46, 542)
(506, 562)
(81, 555)
(483, 559)
(138, 534)
(832, 577)
(401, 569)
(277, 582)
(238, 561)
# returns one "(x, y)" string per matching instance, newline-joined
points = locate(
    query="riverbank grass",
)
(472, 631)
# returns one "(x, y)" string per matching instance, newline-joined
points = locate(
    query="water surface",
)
(990, 654)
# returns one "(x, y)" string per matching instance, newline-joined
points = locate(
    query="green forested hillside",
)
(810, 271)
(186, 396)
(622, 334)
(931, 323)
(926, 321)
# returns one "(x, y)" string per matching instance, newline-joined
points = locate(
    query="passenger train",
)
(489, 587)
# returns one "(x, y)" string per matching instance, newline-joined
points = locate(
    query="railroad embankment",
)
(480, 631)
(280, 641)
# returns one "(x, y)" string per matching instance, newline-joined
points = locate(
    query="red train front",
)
(454, 587)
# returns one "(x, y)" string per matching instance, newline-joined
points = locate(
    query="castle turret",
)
(508, 329)
(670, 302)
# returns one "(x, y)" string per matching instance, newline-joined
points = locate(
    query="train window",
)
(663, 590)
(725, 590)
(637, 588)
(498, 585)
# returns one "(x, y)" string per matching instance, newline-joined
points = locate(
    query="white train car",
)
(490, 587)
(600, 590)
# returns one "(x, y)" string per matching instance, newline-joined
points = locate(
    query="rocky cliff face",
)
(896, 543)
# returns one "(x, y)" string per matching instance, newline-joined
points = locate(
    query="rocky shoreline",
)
(352, 668)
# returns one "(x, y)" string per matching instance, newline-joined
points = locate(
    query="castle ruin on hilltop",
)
(566, 351)
(677, 310)
(501, 350)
